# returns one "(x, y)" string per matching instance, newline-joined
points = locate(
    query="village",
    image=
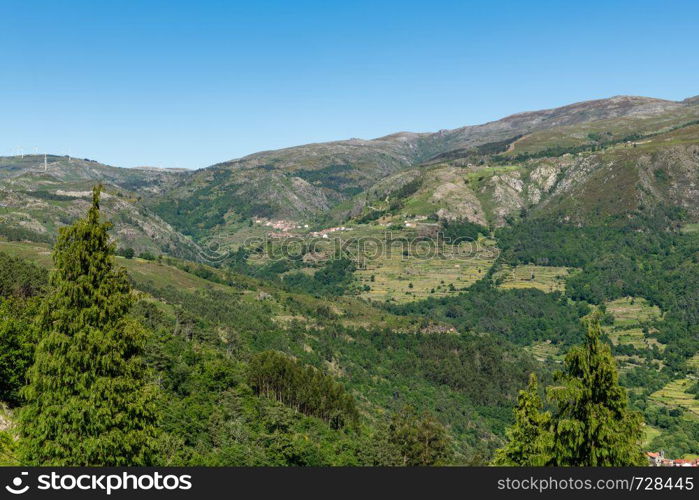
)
(657, 459)
(286, 229)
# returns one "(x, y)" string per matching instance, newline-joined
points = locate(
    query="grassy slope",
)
(148, 274)
(609, 130)
(544, 278)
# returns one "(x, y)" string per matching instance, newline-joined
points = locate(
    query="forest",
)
(211, 379)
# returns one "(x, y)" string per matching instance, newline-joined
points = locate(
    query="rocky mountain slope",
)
(40, 194)
(302, 182)
(581, 171)
(608, 156)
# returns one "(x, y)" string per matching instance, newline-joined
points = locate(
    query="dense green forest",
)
(648, 257)
(223, 383)
(215, 378)
(520, 316)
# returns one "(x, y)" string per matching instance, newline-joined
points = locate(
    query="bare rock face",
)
(6, 422)
(457, 200)
(545, 177)
(507, 195)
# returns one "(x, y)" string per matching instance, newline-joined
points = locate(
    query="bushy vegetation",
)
(460, 230)
(205, 209)
(332, 279)
(20, 284)
(303, 388)
(522, 316)
(17, 341)
(16, 233)
(19, 278)
(336, 177)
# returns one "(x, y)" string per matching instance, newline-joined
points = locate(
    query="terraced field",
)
(545, 278)
(631, 311)
(631, 318)
(406, 278)
(545, 351)
(634, 337)
(631, 323)
(675, 395)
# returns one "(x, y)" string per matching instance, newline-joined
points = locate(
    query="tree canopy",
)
(590, 426)
(89, 400)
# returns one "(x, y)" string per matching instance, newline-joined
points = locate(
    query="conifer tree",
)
(529, 440)
(593, 425)
(89, 402)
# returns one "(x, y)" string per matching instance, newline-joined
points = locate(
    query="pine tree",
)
(529, 440)
(89, 402)
(593, 426)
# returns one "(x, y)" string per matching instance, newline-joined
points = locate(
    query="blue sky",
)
(189, 84)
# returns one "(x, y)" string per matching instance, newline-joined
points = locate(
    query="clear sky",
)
(189, 84)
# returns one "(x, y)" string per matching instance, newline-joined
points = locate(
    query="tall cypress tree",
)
(593, 425)
(89, 402)
(529, 440)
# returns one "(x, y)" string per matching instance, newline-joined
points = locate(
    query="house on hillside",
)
(656, 458)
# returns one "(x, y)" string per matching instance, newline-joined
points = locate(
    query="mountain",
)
(305, 182)
(578, 160)
(582, 171)
(592, 207)
(39, 194)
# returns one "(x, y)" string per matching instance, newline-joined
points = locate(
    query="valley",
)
(430, 271)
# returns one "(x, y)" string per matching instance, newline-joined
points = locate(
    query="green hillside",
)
(227, 318)
(417, 278)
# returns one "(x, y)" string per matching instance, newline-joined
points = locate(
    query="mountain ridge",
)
(338, 180)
